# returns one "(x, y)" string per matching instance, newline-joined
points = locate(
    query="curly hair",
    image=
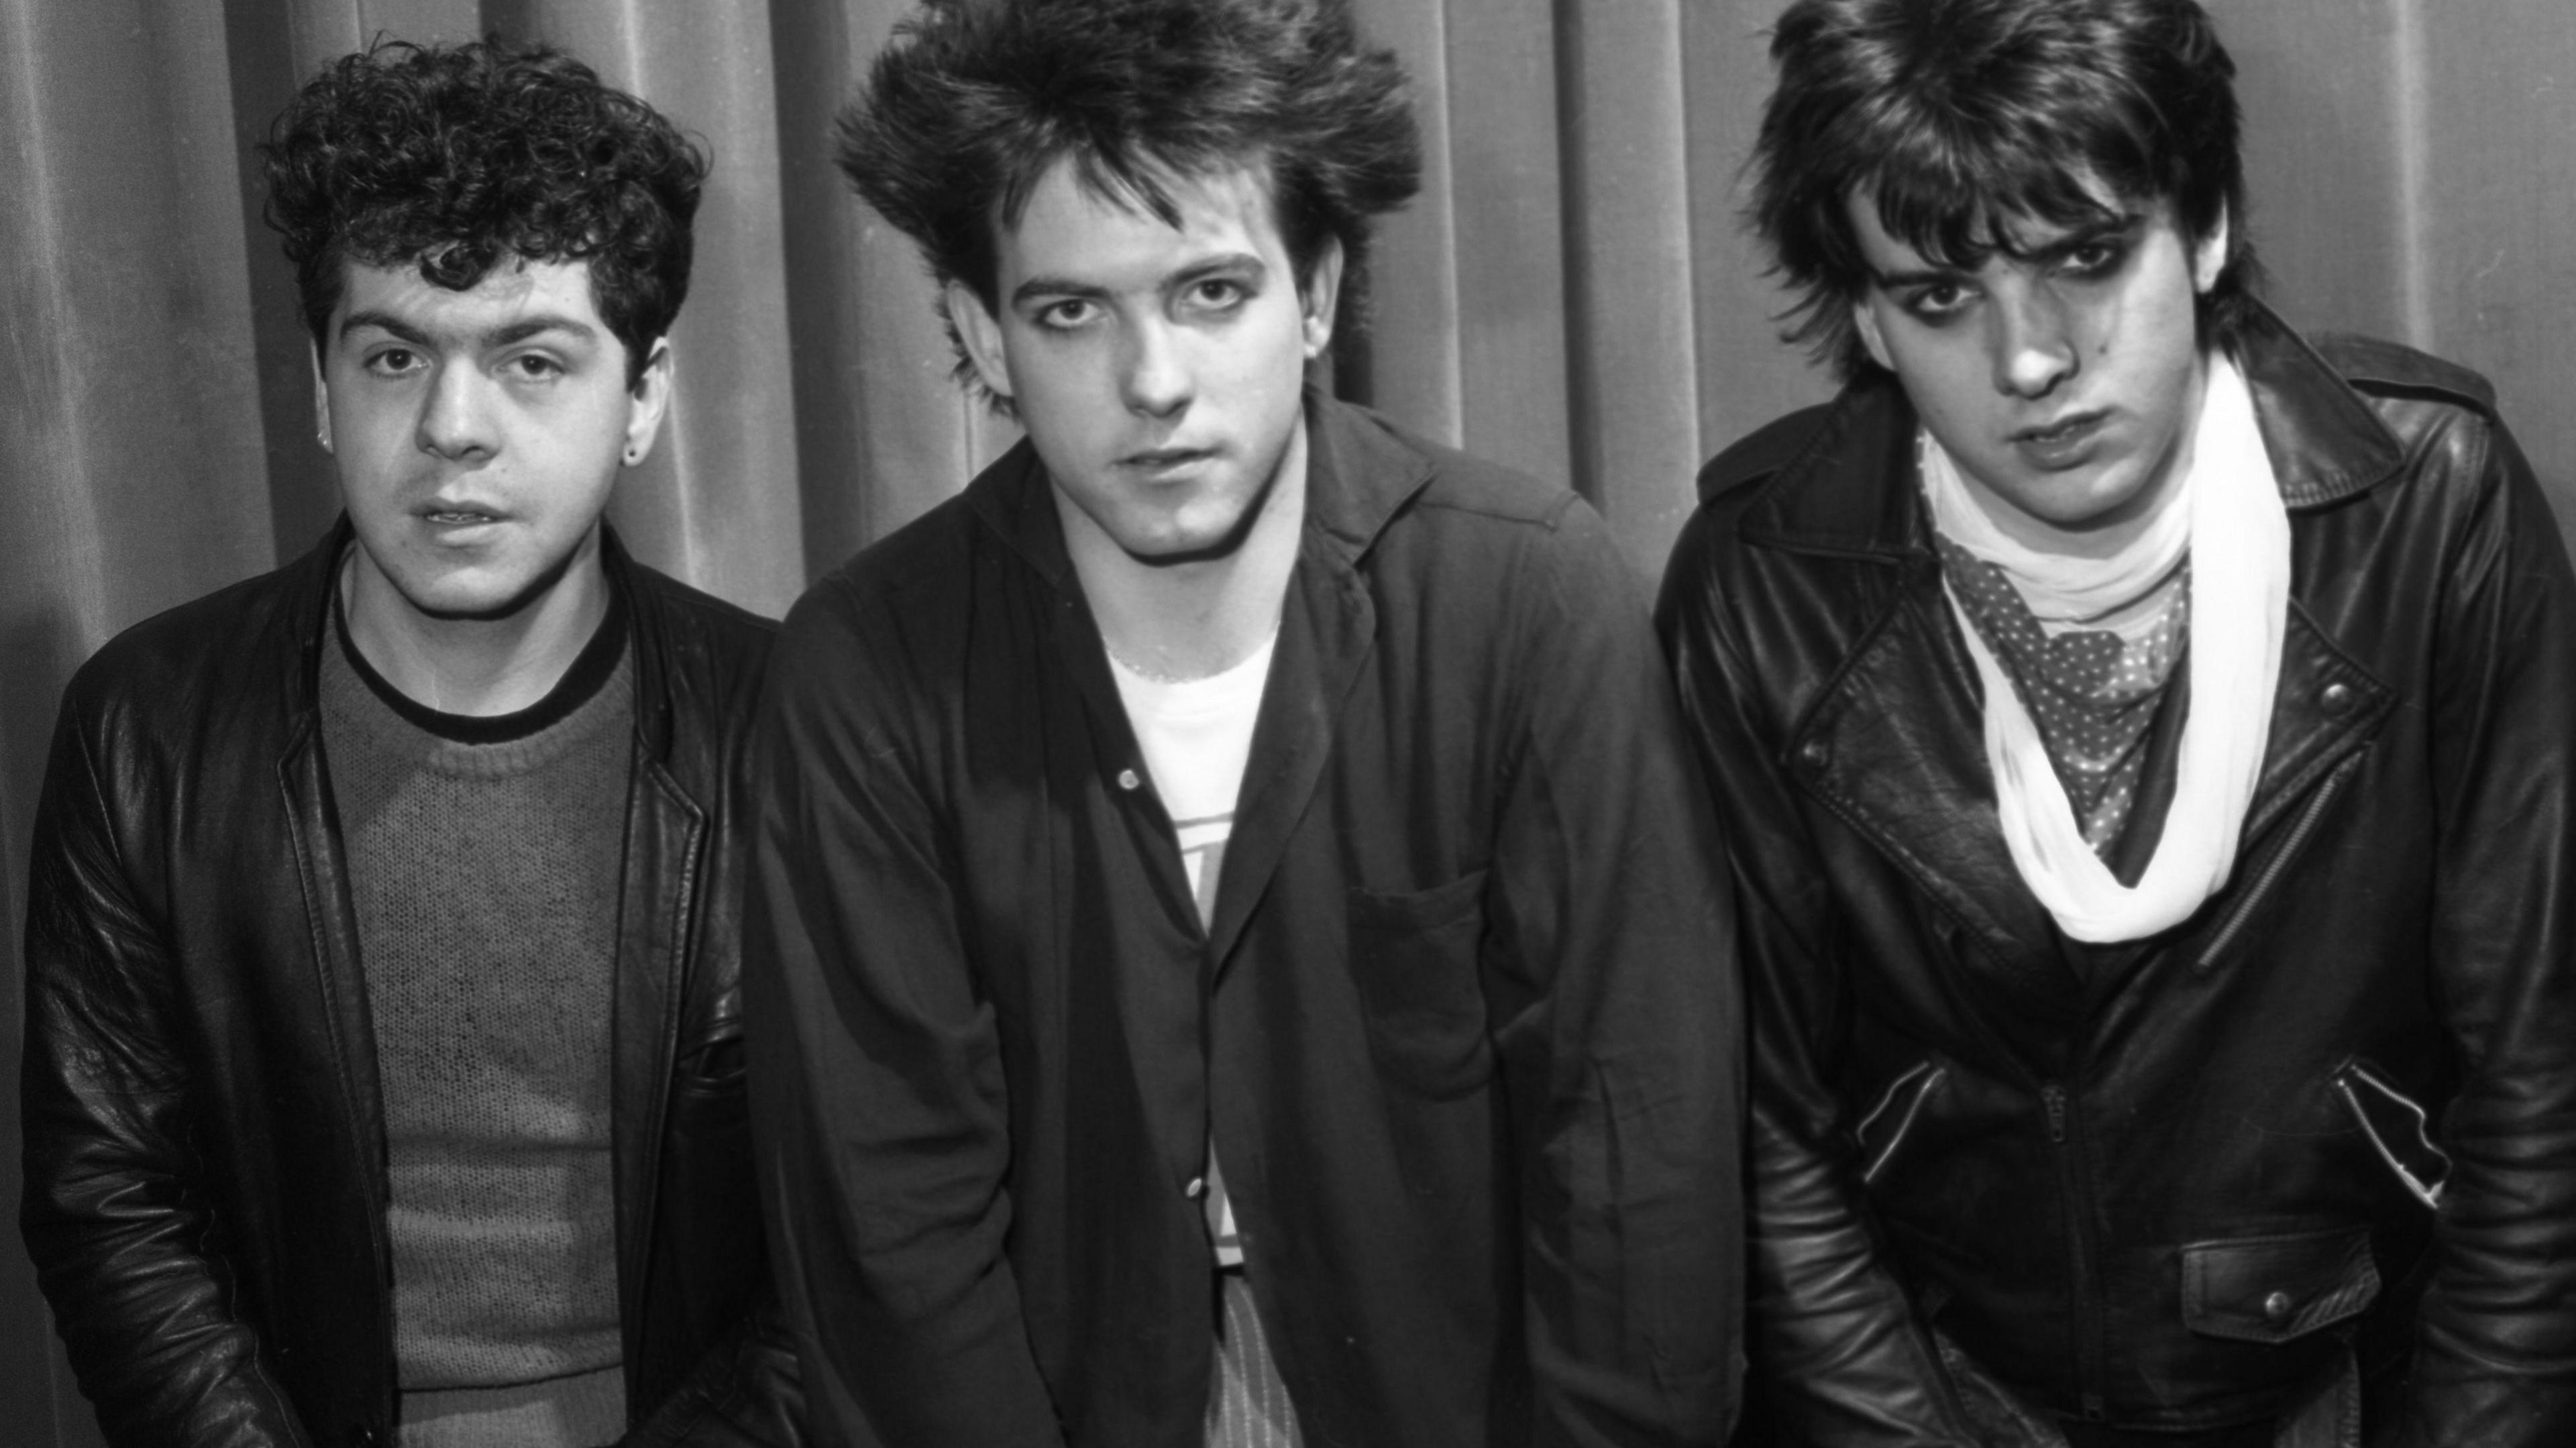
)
(975, 100)
(1964, 118)
(460, 158)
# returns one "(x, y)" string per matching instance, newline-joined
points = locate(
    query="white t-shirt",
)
(1197, 735)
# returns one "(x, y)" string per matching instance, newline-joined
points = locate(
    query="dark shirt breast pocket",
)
(1414, 956)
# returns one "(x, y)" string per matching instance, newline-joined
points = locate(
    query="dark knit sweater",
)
(485, 857)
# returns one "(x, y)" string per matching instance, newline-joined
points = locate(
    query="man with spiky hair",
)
(2151, 737)
(383, 1076)
(1243, 955)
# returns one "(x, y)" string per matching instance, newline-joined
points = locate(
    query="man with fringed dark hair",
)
(1242, 953)
(383, 1078)
(2149, 736)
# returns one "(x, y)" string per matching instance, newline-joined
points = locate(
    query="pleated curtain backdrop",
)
(1572, 294)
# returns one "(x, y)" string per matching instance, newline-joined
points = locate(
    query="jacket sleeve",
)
(114, 1210)
(879, 1117)
(1843, 1356)
(2495, 1352)
(1624, 1044)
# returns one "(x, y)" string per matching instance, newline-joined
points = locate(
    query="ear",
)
(2209, 258)
(982, 335)
(1865, 318)
(1315, 302)
(651, 398)
(321, 396)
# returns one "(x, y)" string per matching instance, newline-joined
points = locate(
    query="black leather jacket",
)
(2160, 1186)
(205, 1153)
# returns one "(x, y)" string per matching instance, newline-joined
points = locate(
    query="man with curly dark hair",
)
(1239, 947)
(2153, 736)
(383, 1073)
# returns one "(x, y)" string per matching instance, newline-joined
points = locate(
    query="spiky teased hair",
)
(460, 158)
(975, 100)
(1962, 118)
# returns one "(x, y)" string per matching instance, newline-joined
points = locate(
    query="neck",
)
(1190, 620)
(475, 666)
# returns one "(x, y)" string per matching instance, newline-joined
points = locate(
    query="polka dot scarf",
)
(2228, 513)
(2093, 692)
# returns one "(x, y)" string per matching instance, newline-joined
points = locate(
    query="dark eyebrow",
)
(518, 331)
(1066, 289)
(1234, 261)
(384, 322)
(2053, 252)
(1056, 287)
(2083, 236)
(526, 327)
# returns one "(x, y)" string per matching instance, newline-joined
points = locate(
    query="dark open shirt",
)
(1463, 1027)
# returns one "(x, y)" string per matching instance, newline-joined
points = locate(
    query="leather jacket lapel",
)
(1896, 747)
(664, 835)
(339, 976)
(2325, 706)
(657, 916)
(303, 776)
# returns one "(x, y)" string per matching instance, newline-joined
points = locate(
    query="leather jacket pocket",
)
(2398, 1130)
(2272, 1289)
(1414, 957)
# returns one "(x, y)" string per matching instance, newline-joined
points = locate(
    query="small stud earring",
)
(630, 457)
(323, 436)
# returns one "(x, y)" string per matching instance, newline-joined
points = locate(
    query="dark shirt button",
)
(1815, 752)
(1127, 779)
(2337, 698)
(2276, 1307)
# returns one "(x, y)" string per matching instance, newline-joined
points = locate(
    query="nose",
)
(2034, 346)
(456, 417)
(1155, 378)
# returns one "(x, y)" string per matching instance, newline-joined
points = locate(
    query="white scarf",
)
(2230, 515)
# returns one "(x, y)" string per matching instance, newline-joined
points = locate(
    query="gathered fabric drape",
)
(1572, 294)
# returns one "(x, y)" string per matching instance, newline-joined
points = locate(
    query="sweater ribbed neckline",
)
(590, 672)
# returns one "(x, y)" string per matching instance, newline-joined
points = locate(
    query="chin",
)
(479, 595)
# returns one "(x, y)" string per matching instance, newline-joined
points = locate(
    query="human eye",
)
(1067, 314)
(1217, 294)
(394, 361)
(2094, 260)
(1937, 302)
(533, 367)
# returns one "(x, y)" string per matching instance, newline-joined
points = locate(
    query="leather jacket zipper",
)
(2277, 865)
(2089, 1351)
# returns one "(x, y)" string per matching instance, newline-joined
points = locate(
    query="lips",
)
(446, 513)
(2064, 443)
(1162, 459)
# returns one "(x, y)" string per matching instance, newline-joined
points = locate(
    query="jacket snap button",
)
(1127, 779)
(1815, 752)
(1196, 1189)
(2337, 698)
(2276, 1307)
